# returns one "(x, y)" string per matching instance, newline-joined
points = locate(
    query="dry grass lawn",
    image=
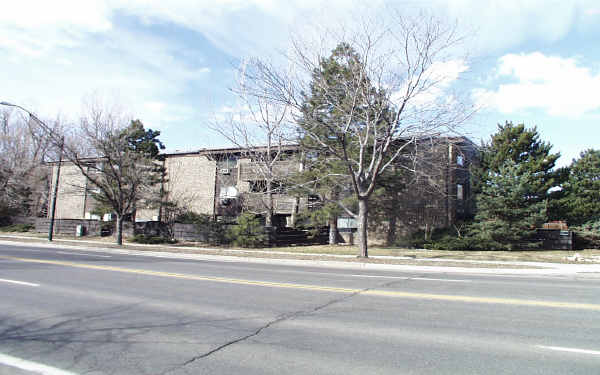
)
(411, 256)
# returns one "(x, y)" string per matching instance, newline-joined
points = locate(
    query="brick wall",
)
(191, 182)
(70, 201)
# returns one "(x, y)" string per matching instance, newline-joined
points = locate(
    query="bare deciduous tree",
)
(386, 83)
(23, 177)
(107, 152)
(261, 129)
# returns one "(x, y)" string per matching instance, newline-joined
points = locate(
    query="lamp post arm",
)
(43, 125)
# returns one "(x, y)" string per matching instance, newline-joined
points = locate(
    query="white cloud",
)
(560, 86)
(441, 75)
(499, 24)
(592, 12)
(255, 26)
(240, 27)
(54, 60)
(54, 52)
(33, 27)
(90, 14)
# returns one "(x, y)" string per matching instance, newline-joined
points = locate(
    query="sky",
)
(172, 64)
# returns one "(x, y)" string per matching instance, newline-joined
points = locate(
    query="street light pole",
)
(55, 190)
(50, 133)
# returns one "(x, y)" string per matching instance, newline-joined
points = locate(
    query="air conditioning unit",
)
(225, 171)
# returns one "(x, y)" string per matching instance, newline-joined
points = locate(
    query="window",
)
(459, 192)
(460, 160)
(227, 161)
(259, 186)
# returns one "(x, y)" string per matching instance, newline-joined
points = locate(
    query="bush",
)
(587, 235)
(448, 239)
(17, 228)
(419, 240)
(215, 231)
(191, 218)
(152, 240)
(586, 240)
(248, 232)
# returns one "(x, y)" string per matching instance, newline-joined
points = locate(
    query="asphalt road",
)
(77, 311)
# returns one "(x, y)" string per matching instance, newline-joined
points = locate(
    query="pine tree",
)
(512, 187)
(334, 116)
(506, 216)
(125, 171)
(387, 207)
(582, 191)
(524, 147)
(376, 96)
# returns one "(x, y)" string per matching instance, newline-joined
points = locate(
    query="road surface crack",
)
(277, 320)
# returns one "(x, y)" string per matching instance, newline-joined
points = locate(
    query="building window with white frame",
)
(460, 160)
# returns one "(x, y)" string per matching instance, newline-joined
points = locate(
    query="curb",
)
(549, 268)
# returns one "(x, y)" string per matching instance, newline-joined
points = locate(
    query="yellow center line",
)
(370, 292)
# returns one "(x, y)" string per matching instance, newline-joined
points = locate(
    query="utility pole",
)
(55, 189)
(61, 144)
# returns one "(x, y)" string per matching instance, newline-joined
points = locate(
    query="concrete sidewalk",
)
(245, 255)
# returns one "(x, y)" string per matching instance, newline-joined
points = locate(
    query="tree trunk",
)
(119, 230)
(269, 215)
(363, 212)
(333, 231)
(391, 233)
(133, 216)
(294, 213)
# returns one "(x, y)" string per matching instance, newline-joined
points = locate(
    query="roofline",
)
(223, 150)
(63, 161)
(202, 151)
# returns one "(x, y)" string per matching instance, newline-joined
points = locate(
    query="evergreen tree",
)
(369, 102)
(335, 118)
(581, 200)
(507, 218)
(146, 144)
(323, 190)
(387, 207)
(512, 187)
(524, 148)
(124, 170)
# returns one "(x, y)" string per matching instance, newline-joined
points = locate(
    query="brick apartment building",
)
(215, 181)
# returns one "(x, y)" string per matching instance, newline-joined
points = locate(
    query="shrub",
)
(448, 239)
(587, 235)
(6, 214)
(17, 228)
(152, 240)
(191, 218)
(215, 231)
(248, 231)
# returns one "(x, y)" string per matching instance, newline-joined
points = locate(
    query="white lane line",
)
(449, 280)
(83, 255)
(18, 282)
(31, 366)
(572, 350)
(375, 276)
(541, 277)
(412, 278)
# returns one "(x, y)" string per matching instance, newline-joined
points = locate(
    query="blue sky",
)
(171, 63)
